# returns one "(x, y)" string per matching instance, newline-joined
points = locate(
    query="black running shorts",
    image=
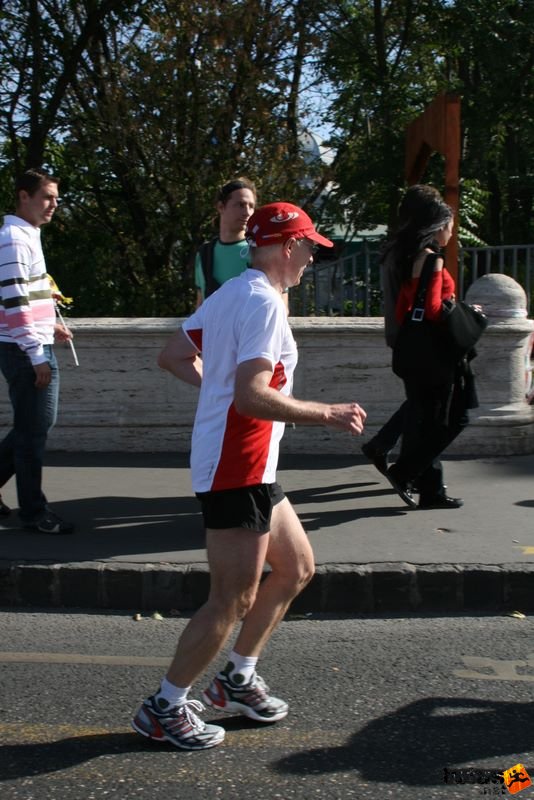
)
(249, 507)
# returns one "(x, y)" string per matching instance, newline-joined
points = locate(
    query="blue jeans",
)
(34, 414)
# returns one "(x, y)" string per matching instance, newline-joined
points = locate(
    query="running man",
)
(245, 379)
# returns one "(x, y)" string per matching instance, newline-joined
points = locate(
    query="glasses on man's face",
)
(312, 247)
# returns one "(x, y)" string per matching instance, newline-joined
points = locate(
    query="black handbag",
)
(463, 324)
(433, 348)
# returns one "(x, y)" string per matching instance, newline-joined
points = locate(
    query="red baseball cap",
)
(277, 222)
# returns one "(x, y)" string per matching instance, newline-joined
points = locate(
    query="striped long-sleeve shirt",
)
(27, 313)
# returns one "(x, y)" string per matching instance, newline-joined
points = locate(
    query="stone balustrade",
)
(119, 400)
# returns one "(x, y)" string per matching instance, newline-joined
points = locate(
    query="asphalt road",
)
(379, 708)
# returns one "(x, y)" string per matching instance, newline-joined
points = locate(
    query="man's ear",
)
(288, 247)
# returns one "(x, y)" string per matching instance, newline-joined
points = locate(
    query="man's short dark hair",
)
(32, 180)
(223, 194)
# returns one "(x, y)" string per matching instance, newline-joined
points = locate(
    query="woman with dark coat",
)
(438, 393)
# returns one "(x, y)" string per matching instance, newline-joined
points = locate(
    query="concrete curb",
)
(337, 588)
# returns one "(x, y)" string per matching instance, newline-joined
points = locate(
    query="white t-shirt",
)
(245, 319)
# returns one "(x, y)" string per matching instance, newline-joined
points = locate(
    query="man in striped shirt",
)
(27, 330)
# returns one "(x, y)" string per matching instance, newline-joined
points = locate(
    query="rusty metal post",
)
(437, 130)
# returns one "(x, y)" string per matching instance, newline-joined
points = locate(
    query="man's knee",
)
(305, 573)
(234, 605)
(244, 603)
(296, 575)
(308, 573)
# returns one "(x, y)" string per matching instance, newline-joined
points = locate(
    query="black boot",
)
(376, 456)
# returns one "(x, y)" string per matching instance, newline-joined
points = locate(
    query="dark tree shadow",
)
(414, 744)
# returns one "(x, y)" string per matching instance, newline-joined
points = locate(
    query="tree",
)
(386, 59)
(42, 43)
(381, 61)
(490, 58)
(144, 107)
(166, 104)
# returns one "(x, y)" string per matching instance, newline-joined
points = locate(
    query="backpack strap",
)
(206, 253)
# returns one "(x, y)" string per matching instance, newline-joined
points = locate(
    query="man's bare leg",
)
(236, 557)
(290, 557)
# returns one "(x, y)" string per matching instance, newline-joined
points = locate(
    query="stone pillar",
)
(504, 422)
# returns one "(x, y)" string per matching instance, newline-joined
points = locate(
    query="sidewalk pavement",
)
(139, 540)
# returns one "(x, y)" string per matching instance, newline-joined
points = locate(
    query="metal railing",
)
(351, 286)
(514, 260)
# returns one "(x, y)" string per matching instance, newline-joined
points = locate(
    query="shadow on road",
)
(414, 745)
(18, 761)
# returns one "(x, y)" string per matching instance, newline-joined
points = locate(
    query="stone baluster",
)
(504, 422)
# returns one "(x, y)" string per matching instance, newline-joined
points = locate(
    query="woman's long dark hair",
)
(416, 234)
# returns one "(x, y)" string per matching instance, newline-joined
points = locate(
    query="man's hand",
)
(43, 375)
(61, 333)
(347, 416)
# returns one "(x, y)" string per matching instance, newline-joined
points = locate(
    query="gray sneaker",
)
(253, 699)
(179, 725)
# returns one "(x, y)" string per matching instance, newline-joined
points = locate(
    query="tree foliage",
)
(490, 60)
(144, 107)
(168, 99)
(388, 58)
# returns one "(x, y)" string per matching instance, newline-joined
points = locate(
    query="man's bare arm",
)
(181, 358)
(255, 398)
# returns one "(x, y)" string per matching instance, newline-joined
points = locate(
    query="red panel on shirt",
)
(196, 337)
(245, 449)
